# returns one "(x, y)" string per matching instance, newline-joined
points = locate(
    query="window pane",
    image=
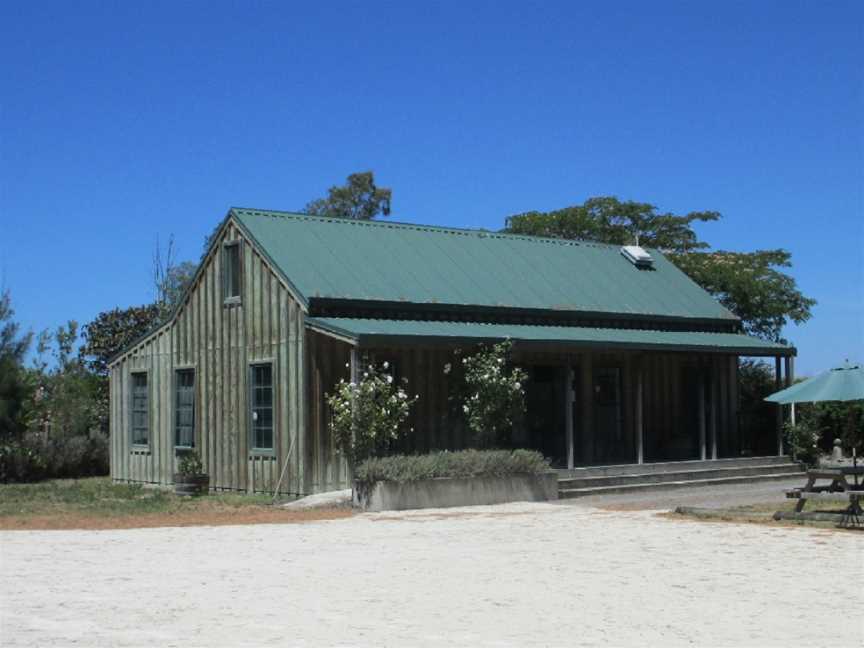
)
(139, 415)
(231, 258)
(263, 397)
(262, 406)
(184, 414)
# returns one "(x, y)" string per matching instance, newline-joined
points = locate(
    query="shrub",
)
(366, 417)
(803, 439)
(20, 463)
(35, 457)
(495, 394)
(191, 465)
(464, 463)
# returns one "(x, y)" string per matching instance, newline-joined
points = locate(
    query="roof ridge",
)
(444, 229)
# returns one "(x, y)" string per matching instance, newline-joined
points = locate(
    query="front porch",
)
(594, 408)
(594, 397)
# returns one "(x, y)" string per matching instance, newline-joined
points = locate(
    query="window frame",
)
(231, 247)
(253, 449)
(194, 406)
(132, 442)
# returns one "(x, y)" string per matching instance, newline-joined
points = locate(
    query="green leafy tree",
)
(750, 284)
(494, 394)
(15, 389)
(67, 392)
(360, 198)
(367, 417)
(609, 220)
(108, 334)
(112, 331)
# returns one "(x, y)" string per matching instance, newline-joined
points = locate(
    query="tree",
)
(107, 335)
(608, 220)
(15, 389)
(750, 284)
(360, 198)
(114, 330)
(170, 279)
(68, 392)
(13, 343)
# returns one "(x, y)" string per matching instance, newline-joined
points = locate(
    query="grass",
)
(97, 503)
(763, 512)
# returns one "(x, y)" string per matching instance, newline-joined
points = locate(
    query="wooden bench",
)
(838, 485)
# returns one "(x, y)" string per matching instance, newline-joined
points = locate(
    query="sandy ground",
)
(518, 574)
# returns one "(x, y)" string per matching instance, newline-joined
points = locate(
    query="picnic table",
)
(838, 489)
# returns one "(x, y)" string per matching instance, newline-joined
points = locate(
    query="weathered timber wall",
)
(219, 342)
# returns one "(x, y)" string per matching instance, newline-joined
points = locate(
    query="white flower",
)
(365, 375)
(465, 408)
(347, 365)
(351, 384)
(389, 380)
(386, 365)
(516, 385)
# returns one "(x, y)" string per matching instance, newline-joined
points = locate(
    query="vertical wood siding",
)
(219, 342)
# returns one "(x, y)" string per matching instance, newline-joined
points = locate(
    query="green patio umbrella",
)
(844, 383)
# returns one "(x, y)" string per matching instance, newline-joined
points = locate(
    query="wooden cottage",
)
(629, 360)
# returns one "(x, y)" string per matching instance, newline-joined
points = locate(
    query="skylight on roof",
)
(637, 255)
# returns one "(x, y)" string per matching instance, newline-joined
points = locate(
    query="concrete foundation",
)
(444, 493)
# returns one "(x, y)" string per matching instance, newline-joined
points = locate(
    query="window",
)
(262, 406)
(231, 271)
(140, 410)
(184, 409)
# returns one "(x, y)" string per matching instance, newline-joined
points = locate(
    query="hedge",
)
(464, 463)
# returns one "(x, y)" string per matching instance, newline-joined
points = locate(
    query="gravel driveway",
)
(519, 574)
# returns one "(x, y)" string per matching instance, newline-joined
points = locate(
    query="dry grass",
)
(762, 513)
(97, 503)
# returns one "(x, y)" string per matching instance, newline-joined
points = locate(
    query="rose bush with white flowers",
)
(367, 416)
(494, 394)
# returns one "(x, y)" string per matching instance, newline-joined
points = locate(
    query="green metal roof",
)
(398, 262)
(370, 331)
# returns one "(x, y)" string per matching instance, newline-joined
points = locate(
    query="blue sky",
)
(123, 122)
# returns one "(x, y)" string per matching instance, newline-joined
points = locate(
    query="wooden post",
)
(778, 382)
(568, 412)
(638, 419)
(701, 410)
(715, 406)
(790, 378)
(355, 378)
(587, 423)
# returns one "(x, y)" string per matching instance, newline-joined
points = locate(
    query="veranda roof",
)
(383, 331)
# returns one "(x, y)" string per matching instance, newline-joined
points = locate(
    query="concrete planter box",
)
(443, 493)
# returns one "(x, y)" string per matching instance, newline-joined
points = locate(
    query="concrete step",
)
(639, 477)
(567, 493)
(672, 466)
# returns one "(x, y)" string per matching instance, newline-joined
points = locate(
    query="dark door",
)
(544, 416)
(609, 445)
